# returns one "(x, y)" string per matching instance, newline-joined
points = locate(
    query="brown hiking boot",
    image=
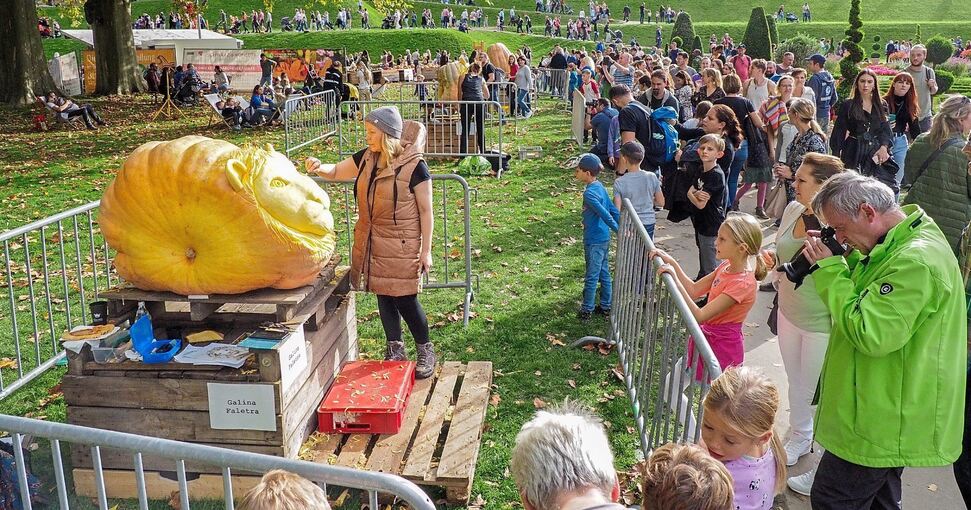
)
(426, 361)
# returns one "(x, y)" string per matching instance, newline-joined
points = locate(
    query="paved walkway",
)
(927, 489)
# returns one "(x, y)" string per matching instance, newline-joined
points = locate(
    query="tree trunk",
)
(114, 46)
(24, 70)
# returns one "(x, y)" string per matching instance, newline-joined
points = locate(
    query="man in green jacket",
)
(891, 393)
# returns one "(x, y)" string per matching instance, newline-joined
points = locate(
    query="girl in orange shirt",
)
(731, 291)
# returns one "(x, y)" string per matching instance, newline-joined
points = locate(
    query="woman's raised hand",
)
(312, 165)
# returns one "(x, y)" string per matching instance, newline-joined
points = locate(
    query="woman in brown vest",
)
(393, 234)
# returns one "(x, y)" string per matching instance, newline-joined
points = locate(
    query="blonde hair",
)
(747, 232)
(712, 74)
(679, 476)
(948, 120)
(748, 401)
(391, 148)
(822, 166)
(806, 110)
(282, 490)
(712, 139)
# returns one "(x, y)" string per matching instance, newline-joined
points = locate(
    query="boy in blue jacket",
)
(600, 216)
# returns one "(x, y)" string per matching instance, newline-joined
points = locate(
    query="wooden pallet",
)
(444, 414)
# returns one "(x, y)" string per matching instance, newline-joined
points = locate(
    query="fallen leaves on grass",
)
(538, 403)
(8, 363)
(571, 383)
(495, 399)
(554, 341)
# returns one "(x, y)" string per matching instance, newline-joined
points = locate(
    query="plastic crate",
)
(368, 397)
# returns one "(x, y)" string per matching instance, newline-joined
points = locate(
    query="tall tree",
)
(24, 70)
(114, 46)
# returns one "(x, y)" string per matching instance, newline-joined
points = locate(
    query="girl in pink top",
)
(731, 291)
(737, 429)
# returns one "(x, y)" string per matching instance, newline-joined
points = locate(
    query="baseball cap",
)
(589, 161)
(817, 58)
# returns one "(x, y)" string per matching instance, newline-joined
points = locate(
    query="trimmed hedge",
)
(773, 29)
(683, 28)
(939, 49)
(757, 40)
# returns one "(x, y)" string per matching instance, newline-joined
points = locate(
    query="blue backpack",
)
(663, 119)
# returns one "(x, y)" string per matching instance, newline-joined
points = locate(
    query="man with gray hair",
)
(891, 392)
(562, 461)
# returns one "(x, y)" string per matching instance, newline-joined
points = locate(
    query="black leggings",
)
(393, 308)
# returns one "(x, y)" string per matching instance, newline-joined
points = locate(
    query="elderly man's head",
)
(861, 209)
(563, 454)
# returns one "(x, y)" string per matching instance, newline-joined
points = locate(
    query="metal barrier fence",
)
(309, 119)
(452, 254)
(53, 269)
(503, 92)
(232, 463)
(442, 119)
(652, 328)
(553, 83)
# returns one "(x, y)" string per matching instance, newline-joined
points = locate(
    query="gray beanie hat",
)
(386, 119)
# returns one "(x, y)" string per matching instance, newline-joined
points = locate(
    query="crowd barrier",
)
(503, 92)
(451, 251)
(232, 462)
(651, 325)
(53, 269)
(442, 120)
(309, 119)
(552, 83)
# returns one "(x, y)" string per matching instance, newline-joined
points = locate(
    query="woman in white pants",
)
(804, 321)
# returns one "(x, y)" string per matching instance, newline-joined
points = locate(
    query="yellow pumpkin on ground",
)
(201, 216)
(499, 56)
(450, 80)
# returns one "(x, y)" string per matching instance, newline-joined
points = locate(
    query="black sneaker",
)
(602, 311)
(584, 315)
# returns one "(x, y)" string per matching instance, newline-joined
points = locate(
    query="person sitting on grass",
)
(680, 476)
(641, 187)
(599, 218)
(282, 490)
(562, 460)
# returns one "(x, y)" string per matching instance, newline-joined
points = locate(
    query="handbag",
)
(758, 146)
(776, 202)
(885, 172)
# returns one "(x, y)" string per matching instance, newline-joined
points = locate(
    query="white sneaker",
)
(797, 447)
(802, 484)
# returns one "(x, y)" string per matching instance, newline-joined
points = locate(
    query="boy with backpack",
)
(600, 216)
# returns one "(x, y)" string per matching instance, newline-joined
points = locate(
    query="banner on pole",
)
(242, 66)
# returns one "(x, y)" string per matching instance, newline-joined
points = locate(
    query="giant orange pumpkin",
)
(499, 56)
(203, 216)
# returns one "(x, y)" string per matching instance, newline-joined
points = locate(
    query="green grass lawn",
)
(524, 229)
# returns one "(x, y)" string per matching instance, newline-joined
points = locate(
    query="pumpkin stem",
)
(190, 254)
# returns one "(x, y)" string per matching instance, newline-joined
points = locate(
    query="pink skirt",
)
(727, 343)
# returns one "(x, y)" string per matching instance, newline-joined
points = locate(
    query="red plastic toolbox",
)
(368, 397)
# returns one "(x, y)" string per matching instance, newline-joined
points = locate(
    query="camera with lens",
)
(799, 267)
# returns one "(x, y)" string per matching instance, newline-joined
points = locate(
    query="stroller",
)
(185, 95)
(791, 18)
(387, 23)
(286, 24)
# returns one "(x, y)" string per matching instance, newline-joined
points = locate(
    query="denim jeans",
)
(522, 98)
(737, 163)
(707, 261)
(898, 151)
(596, 257)
(650, 230)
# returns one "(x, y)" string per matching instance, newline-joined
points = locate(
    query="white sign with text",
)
(293, 358)
(242, 406)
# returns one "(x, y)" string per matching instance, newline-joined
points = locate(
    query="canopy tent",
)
(177, 40)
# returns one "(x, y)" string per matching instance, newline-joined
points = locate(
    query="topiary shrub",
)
(944, 81)
(696, 43)
(773, 30)
(756, 39)
(854, 34)
(917, 36)
(679, 41)
(683, 27)
(876, 47)
(939, 49)
(802, 46)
